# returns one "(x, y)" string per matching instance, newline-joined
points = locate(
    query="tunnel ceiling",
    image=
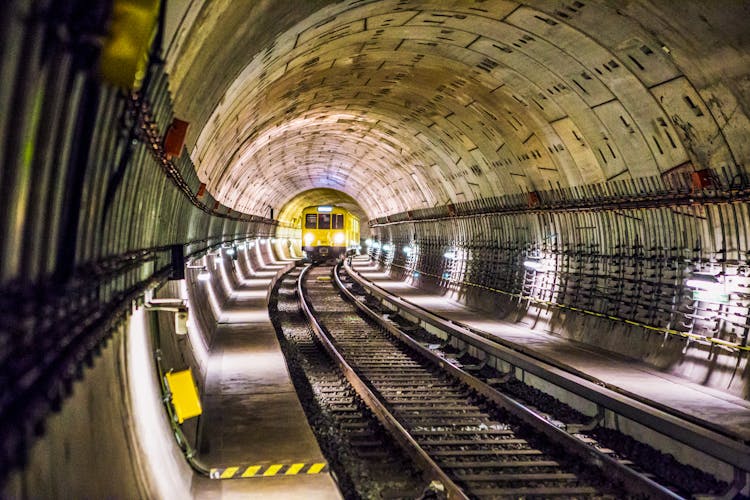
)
(411, 104)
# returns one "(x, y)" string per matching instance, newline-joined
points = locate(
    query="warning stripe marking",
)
(294, 469)
(251, 471)
(267, 470)
(315, 468)
(272, 470)
(229, 472)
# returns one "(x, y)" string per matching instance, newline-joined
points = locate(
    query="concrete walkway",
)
(252, 415)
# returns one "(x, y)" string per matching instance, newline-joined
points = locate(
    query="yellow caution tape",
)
(245, 471)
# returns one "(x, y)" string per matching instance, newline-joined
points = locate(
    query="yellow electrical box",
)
(184, 394)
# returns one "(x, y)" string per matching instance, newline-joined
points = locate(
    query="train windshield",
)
(338, 221)
(311, 221)
(324, 221)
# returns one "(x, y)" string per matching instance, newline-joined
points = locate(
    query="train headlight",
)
(338, 238)
(309, 238)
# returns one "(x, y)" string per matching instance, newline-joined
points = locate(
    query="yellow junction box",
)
(184, 394)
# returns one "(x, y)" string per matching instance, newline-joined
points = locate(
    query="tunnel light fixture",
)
(376, 245)
(408, 250)
(450, 254)
(368, 242)
(204, 275)
(708, 288)
(263, 241)
(230, 251)
(704, 281)
(387, 247)
(535, 264)
(325, 208)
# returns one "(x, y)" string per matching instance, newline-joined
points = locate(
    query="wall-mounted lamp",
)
(535, 264)
(450, 254)
(708, 288)
(704, 281)
(177, 306)
(387, 247)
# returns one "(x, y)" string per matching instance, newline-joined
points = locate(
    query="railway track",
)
(360, 452)
(470, 439)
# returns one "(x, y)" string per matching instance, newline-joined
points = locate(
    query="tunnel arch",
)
(550, 98)
(605, 139)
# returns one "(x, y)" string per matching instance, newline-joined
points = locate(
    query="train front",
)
(328, 232)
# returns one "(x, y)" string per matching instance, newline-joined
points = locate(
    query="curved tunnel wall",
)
(93, 210)
(608, 276)
(477, 129)
(603, 138)
(413, 104)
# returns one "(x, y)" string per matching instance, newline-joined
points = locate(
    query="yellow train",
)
(329, 232)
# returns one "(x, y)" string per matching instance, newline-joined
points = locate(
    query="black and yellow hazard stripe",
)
(268, 470)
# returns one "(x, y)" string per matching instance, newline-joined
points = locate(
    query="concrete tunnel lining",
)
(410, 105)
(407, 113)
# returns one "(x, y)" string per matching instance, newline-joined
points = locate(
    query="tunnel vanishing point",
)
(577, 167)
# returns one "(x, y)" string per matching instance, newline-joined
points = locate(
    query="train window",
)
(324, 221)
(338, 221)
(311, 221)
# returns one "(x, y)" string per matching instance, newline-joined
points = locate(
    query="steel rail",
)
(650, 414)
(634, 482)
(432, 471)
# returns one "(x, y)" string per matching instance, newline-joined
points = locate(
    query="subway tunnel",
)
(571, 167)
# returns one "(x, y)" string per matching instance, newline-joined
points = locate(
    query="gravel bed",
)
(377, 472)
(685, 479)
